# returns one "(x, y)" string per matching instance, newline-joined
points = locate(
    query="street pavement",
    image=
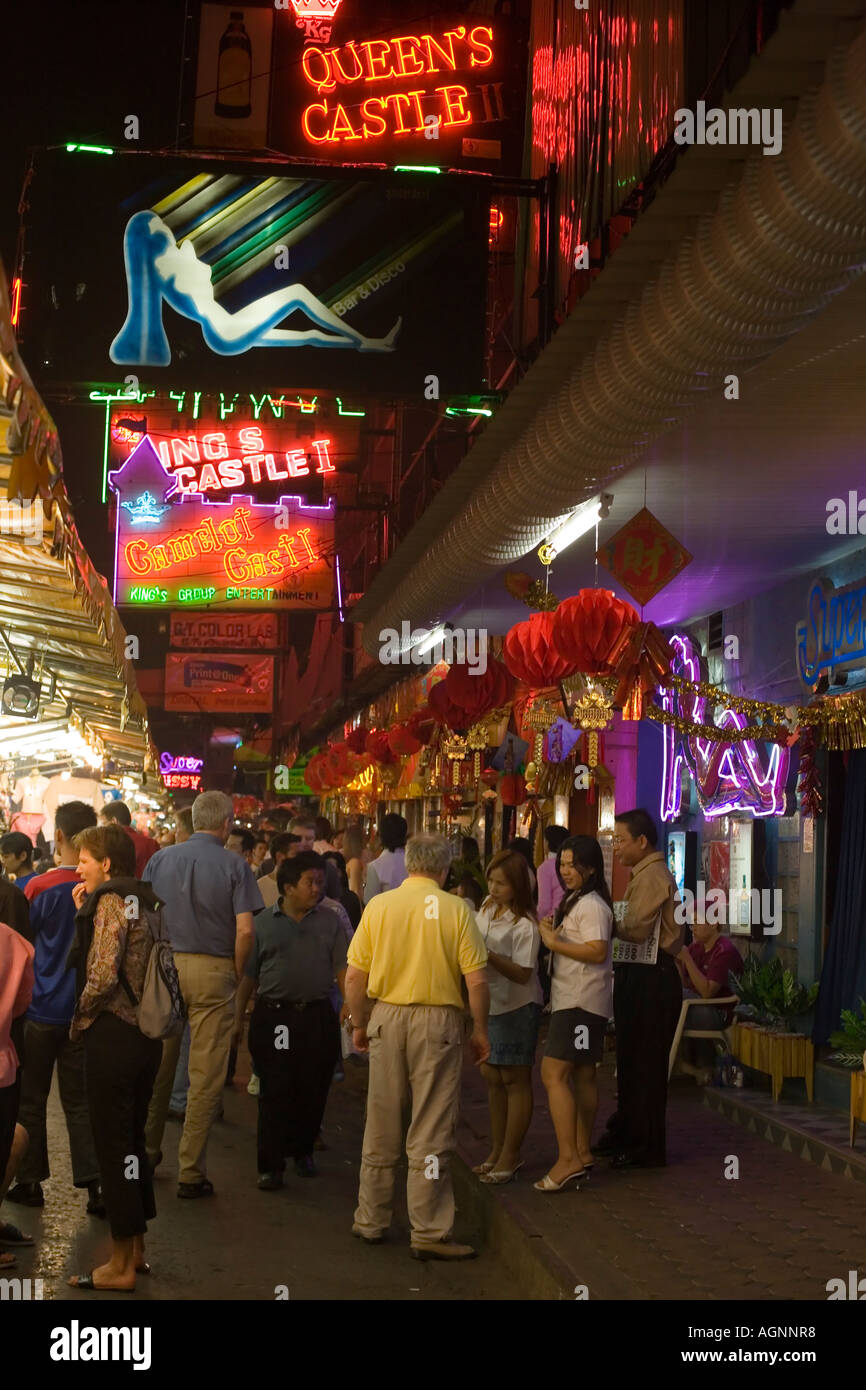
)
(780, 1230)
(242, 1243)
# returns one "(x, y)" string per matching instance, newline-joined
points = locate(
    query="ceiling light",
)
(578, 524)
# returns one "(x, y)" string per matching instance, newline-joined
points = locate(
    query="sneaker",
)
(26, 1194)
(254, 1086)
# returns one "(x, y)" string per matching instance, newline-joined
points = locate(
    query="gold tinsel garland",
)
(772, 733)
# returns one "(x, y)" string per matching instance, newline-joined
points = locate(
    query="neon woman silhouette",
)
(158, 270)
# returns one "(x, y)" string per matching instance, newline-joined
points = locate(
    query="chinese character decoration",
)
(643, 556)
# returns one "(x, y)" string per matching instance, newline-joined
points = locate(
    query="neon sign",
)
(202, 551)
(222, 460)
(176, 781)
(169, 764)
(833, 635)
(315, 17)
(728, 776)
(418, 110)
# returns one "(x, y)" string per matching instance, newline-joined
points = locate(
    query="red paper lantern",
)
(422, 724)
(357, 739)
(379, 748)
(512, 789)
(531, 653)
(402, 741)
(586, 627)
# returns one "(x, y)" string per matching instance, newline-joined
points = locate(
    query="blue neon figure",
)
(158, 270)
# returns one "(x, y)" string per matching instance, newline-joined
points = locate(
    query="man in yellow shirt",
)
(406, 960)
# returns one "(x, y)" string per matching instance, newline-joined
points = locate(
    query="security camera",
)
(605, 506)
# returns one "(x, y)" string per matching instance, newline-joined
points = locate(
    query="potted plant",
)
(770, 996)
(764, 1036)
(850, 1040)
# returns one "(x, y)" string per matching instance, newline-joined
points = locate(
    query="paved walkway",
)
(780, 1230)
(242, 1243)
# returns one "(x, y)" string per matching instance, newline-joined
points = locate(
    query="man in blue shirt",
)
(46, 1028)
(209, 898)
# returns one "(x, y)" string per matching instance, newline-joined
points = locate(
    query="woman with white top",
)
(508, 925)
(581, 1002)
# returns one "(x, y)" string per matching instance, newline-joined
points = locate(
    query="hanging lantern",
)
(357, 739)
(455, 749)
(476, 741)
(586, 627)
(531, 654)
(402, 741)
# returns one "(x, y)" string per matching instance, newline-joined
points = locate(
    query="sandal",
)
(8, 1261)
(85, 1281)
(484, 1168)
(499, 1175)
(547, 1183)
(10, 1235)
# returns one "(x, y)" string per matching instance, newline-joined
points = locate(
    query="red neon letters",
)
(203, 462)
(241, 565)
(377, 60)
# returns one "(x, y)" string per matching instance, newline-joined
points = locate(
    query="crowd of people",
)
(402, 954)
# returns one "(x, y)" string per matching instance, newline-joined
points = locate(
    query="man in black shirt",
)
(300, 949)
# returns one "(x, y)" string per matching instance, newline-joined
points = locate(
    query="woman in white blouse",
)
(581, 1001)
(508, 925)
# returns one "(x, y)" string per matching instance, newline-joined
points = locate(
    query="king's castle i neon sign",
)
(424, 105)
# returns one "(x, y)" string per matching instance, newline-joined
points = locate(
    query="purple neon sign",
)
(728, 776)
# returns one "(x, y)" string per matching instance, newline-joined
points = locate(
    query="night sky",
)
(73, 72)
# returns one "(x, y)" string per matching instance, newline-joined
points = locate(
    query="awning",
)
(56, 612)
(736, 254)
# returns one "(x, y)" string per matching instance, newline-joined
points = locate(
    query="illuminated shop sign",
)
(729, 777)
(174, 547)
(833, 635)
(180, 773)
(220, 683)
(227, 275)
(446, 93)
(315, 18)
(224, 630)
(181, 781)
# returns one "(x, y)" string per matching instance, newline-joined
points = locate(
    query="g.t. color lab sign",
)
(233, 553)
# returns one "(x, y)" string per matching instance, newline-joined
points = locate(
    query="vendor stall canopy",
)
(59, 630)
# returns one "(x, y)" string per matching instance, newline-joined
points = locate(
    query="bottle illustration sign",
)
(234, 71)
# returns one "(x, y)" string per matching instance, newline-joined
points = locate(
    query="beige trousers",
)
(208, 985)
(416, 1053)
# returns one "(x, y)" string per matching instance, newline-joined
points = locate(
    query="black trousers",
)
(295, 1080)
(44, 1046)
(646, 1007)
(9, 1096)
(121, 1066)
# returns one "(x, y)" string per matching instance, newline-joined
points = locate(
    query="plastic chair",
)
(684, 1032)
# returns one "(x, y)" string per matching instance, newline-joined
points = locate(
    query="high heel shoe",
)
(501, 1175)
(547, 1183)
(483, 1168)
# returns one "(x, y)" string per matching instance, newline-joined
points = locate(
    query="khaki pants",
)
(209, 985)
(415, 1051)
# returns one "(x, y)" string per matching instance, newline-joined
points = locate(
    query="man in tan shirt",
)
(646, 1000)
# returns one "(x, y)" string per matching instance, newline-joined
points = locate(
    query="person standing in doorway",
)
(209, 898)
(646, 1000)
(411, 949)
(46, 1041)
